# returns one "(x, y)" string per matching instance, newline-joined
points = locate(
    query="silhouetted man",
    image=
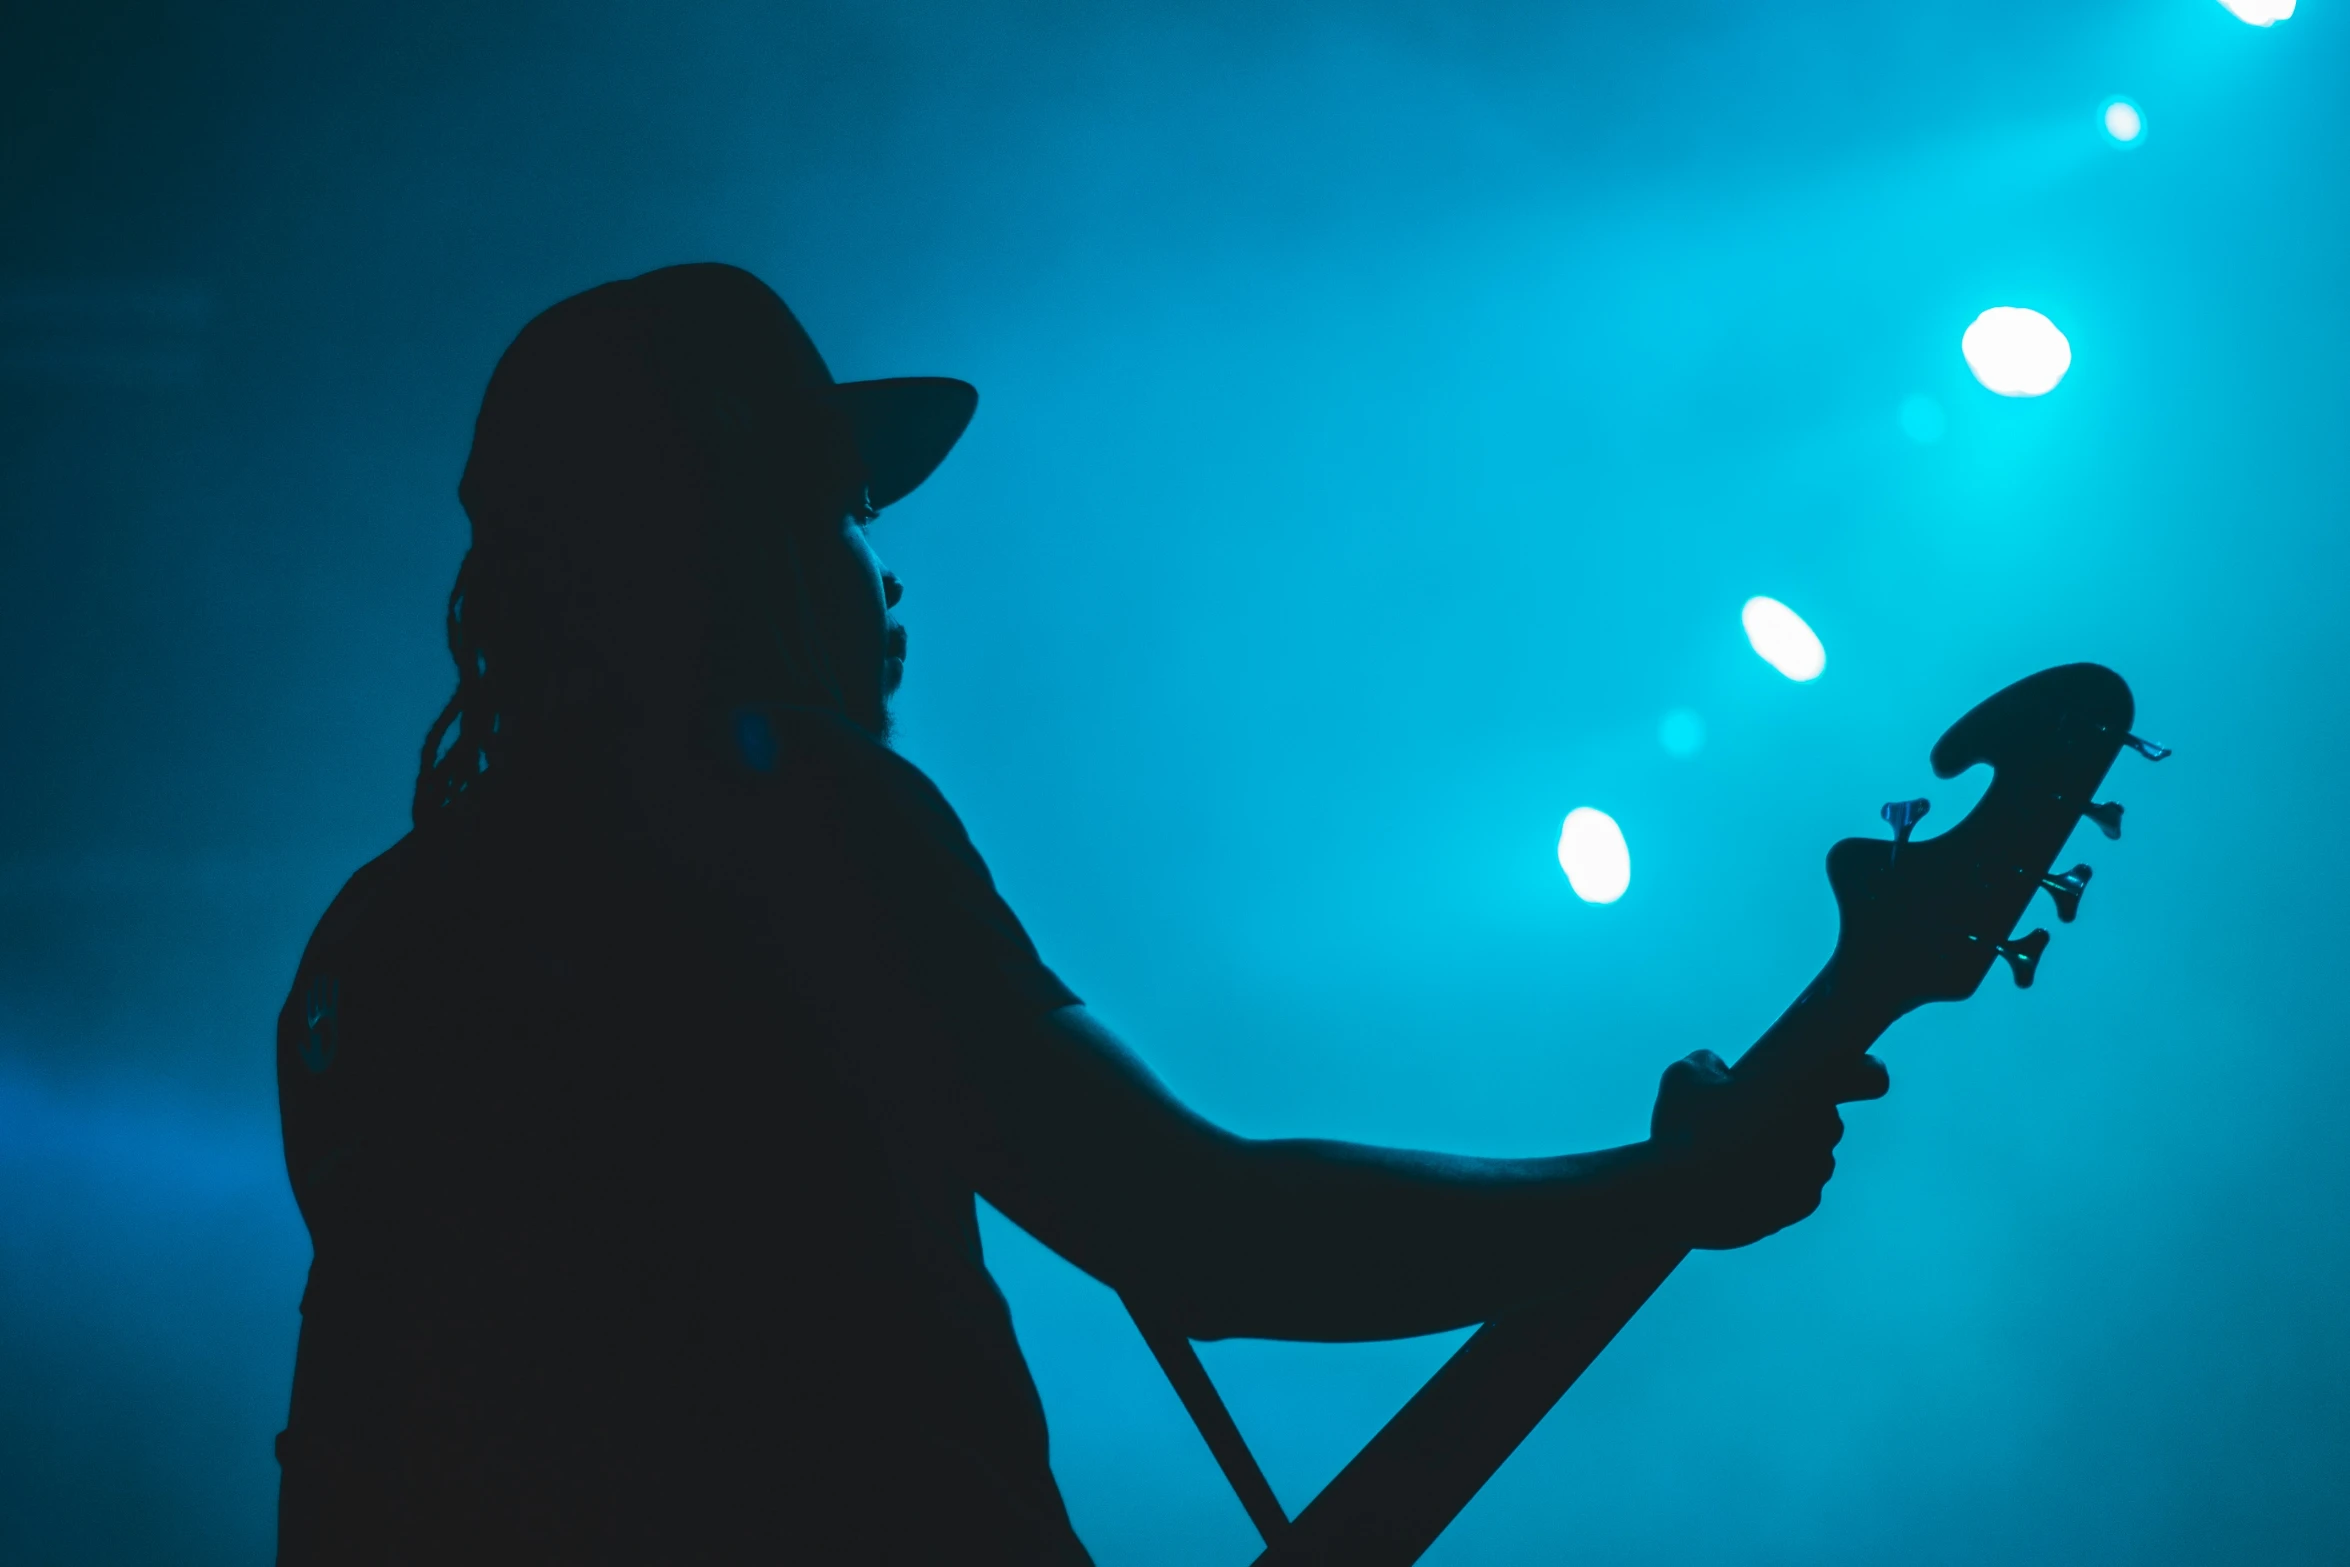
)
(636, 1100)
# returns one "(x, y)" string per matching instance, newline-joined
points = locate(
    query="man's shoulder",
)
(310, 1025)
(429, 879)
(386, 878)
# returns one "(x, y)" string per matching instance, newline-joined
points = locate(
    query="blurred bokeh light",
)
(1681, 732)
(2260, 13)
(1782, 638)
(2016, 352)
(1594, 855)
(1922, 419)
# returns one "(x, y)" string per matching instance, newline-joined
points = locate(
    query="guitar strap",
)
(1190, 1380)
(1409, 1482)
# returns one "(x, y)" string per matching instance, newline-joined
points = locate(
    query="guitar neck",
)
(1835, 1019)
(1407, 1485)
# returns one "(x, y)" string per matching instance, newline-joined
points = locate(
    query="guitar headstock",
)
(1924, 919)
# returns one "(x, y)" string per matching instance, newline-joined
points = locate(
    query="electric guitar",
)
(1920, 920)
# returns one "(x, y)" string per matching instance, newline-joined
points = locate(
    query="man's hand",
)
(1750, 1162)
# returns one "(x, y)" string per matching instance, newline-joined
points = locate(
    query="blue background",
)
(1386, 409)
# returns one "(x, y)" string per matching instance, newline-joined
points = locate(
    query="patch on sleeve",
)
(322, 1009)
(755, 740)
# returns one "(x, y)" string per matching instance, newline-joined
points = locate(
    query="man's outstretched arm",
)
(1226, 1236)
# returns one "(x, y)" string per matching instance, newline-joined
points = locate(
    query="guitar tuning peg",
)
(2146, 748)
(2107, 816)
(2065, 891)
(2023, 956)
(1903, 816)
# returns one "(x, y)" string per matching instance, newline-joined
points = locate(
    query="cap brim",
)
(904, 428)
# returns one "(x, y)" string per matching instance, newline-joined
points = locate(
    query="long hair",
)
(475, 729)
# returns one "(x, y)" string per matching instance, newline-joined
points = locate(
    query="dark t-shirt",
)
(637, 1170)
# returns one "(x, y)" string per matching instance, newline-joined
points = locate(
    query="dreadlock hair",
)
(497, 684)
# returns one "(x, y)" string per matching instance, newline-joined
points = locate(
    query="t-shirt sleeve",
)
(320, 1106)
(959, 938)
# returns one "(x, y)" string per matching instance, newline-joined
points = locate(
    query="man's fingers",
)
(1699, 1066)
(1865, 1078)
(1770, 1158)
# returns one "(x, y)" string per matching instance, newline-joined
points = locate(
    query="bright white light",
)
(2016, 352)
(2123, 122)
(1593, 854)
(1922, 419)
(1783, 640)
(2260, 13)
(1681, 733)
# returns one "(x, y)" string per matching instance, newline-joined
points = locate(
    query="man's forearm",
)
(1227, 1236)
(1337, 1241)
(1223, 1236)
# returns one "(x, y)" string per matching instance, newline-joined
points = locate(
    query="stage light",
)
(1594, 855)
(2260, 13)
(1681, 733)
(1922, 419)
(2016, 352)
(1784, 641)
(2122, 121)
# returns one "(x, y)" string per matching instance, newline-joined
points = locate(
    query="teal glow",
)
(1923, 420)
(1384, 408)
(1681, 732)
